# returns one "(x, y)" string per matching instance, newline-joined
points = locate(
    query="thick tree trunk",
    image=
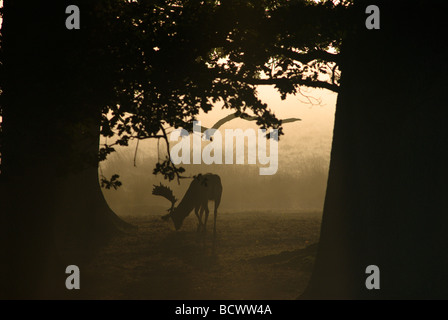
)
(387, 189)
(52, 208)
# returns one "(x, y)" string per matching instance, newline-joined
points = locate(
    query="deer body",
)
(203, 188)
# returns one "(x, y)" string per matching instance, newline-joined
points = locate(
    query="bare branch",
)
(135, 153)
(310, 99)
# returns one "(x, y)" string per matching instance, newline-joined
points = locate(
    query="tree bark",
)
(52, 209)
(386, 195)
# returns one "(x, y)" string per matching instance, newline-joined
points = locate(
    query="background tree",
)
(230, 48)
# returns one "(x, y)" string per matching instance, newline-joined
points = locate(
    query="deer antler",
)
(165, 192)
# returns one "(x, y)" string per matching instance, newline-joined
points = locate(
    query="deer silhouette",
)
(203, 188)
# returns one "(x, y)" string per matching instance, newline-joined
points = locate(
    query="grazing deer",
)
(203, 188)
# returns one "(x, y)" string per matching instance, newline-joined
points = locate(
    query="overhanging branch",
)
(306, 57)
(302, 82)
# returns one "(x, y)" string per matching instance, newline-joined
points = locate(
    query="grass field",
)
(257, 255)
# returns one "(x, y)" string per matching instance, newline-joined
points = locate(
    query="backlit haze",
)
(299, 184)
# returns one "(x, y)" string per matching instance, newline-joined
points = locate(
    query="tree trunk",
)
(386, 195)
(52, 208)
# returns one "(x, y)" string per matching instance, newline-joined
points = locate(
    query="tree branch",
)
(165, 137)
(306, 57)
(302, 82)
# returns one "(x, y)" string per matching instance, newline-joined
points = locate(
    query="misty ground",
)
(258, 255)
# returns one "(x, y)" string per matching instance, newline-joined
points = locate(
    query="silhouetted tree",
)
(133, 67)
(386, 193)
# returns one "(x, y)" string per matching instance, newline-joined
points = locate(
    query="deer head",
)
(167, 193)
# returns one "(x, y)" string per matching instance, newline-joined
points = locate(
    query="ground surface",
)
(256, 256)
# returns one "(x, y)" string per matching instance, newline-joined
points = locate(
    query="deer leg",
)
(206, 216)
(196, 211)
(202, 224)
(214, 222)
